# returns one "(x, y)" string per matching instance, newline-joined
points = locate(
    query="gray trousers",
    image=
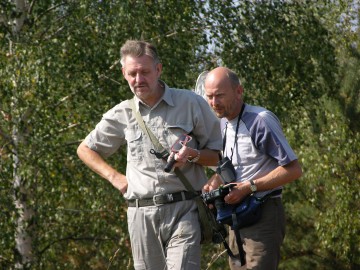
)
(262, 240)
(165, 237)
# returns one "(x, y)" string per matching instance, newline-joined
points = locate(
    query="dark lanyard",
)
(236, 132)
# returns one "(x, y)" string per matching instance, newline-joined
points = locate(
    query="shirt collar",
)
(167, 97)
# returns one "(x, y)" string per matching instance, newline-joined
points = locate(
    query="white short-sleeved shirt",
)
(260, 145)
(178, 112)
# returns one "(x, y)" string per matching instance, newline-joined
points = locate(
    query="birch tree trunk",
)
(19, 21)
(23, 239)
(23, 234)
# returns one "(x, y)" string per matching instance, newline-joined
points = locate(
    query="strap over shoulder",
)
(159, 148)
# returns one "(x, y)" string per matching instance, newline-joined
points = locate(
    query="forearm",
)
(276, 178)
(205, 157)
(208, 157)
(97, 164)
(280, 176)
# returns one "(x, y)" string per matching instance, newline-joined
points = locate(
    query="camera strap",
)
(236, 132)
(239, 243)
(159, 148)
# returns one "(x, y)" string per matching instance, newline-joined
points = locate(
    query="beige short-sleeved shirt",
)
(178, 112)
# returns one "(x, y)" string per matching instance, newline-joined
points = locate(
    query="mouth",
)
(140, 88)
(216, 109)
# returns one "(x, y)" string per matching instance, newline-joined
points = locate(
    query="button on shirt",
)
(177, 112)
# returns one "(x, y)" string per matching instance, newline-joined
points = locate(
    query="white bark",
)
(23, 234)
(19, 22)
(23, 238)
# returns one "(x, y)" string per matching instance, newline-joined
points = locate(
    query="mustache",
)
(140, 85)
(217, 107)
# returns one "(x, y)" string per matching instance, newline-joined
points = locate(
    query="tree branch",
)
(6, 136)
(31, 6)
(48, 10)
(73, 238)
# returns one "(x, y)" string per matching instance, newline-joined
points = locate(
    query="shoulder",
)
(180, 92)
(256, 110)
(255, 114)
(118, 109)
(180, 96)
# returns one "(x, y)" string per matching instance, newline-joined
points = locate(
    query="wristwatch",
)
(196, 158)
(253, 187)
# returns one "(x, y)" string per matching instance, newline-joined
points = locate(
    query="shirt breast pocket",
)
(174, 132)
(134, 144)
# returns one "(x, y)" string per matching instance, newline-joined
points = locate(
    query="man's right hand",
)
(120, 182)
(213, 183)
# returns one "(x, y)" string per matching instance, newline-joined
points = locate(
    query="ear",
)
(123, 71)
(239, 91)
(159, 69)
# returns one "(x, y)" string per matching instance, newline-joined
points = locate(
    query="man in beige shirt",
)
(162, 217)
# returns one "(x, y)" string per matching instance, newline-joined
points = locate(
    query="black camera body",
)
(216, 197)
(226, 170)
(211, 196)
(227, 173)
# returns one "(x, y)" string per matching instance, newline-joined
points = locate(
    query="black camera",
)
(211, 196)
(226, 170)
(227, 173)
(216, 196)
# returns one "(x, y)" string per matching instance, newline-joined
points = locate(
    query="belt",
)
(161, 199)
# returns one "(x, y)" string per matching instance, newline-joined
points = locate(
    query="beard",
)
(141, 91)
(219, 111)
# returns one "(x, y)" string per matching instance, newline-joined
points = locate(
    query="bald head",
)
(221, 74)
(224, 92)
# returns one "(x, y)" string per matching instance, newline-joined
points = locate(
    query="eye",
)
(145, 72)
(132, 74)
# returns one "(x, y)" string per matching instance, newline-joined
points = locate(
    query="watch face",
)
(253, 188)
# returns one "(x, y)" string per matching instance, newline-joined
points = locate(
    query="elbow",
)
(299, 173)
(294, 171)
(80, 150)
(298, 170)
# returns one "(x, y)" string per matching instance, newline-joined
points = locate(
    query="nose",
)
(139, 77)
(215, 101)
(210, 101)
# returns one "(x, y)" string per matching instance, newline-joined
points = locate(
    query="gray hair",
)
(137, 48)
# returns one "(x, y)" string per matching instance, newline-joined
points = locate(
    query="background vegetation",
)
(59, 72)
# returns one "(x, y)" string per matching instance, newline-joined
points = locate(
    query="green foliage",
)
(60, 73)
(323, 226)
(301, 63)
(280, 49)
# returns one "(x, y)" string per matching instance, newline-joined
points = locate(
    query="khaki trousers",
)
(165, 237)
(262, 240)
